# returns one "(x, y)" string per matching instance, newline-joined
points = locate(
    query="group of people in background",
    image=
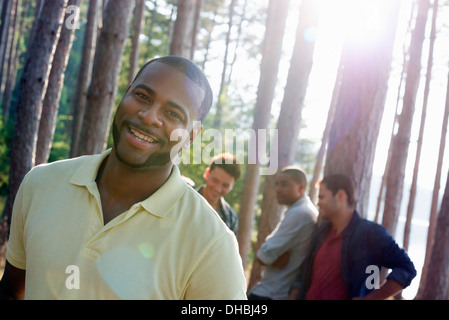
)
(311, 254)
(125, 224)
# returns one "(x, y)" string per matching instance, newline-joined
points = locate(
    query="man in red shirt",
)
(344, 247)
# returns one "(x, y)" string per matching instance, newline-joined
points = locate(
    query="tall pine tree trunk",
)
(138, 20)
(272, 48)
(182, 32)
(360, 105)
(106, 69)
(401, 141)
(12, 69)
(50, 105)
(33, 85)
(437, 280)
(84, 74)
(288, 123)
(431, 236)
(411, 203)
(223, 84)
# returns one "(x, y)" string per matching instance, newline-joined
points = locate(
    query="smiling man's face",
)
(160, 100)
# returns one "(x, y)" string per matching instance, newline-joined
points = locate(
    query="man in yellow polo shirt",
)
(124, 224)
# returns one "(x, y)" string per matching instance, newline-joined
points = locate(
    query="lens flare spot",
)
(146, 250)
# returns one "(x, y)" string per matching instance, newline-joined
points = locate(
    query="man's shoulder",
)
(304, 209)
(56, 168)
(370, 230)
(199, 206)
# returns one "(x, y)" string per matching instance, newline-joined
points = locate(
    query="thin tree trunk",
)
(10, 84)
(431, 236)
(288, 124)
(33, 85)
(237, 43)
(437, 280)
(50, 105)
(413, 188)
(221, 92)
(4, 27)
(182, 29)
(84, 74)
(106, 69)
(196, 24)
(6, 42)
(396, 173)
(398, 98)
(138, 21)
(272, 48)
(209, 40)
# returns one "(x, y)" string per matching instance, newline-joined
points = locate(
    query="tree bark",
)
(84, 74)
(33, 85)
(360, 105)
(437, 279)
(288, 123)
(401, 141)
(138, 21)
(50, 105)
(272, 48)
(431, 233)
(196, 24)
(180, 46)
(221, 92)
(411, 203)
(106, 69)
(6, 39)
(11, 81)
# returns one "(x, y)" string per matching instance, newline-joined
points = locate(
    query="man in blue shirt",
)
(360, 248)
(287, 246)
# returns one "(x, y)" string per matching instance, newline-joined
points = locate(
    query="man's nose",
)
(150, 116)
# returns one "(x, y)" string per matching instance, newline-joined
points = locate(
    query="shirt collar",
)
(158, 204)
(352, 224)
(299, 201)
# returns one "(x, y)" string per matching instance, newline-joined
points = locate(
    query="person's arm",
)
(12, 285)
(388, 289)
(293, 228)
(280, 262)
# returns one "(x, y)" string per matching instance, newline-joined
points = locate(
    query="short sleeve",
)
(15, 251)
(218, 275)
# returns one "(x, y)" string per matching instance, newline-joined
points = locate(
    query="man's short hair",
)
(194, 73)
(297, 174)
(337, 182)
(228, 163)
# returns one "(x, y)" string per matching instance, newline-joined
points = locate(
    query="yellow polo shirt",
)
(172, 245)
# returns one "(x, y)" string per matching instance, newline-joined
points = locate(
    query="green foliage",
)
(5, 142)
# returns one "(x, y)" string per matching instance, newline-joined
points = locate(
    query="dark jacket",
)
(365, 243)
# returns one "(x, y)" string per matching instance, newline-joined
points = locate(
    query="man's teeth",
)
(142, 137)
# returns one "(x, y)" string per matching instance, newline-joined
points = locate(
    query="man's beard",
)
(156, 159)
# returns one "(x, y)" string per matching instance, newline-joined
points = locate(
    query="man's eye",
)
(143, 96)
(174, 114)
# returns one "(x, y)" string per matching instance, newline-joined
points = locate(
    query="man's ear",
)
(196, 130)
(302, 187)
(206, 173)
(341, 196)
